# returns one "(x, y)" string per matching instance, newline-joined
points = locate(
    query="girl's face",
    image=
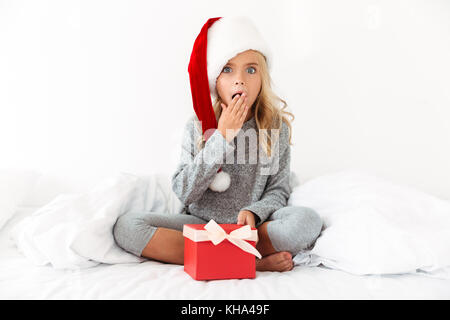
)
(240, 74)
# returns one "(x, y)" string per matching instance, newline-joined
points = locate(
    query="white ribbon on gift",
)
(216, 234)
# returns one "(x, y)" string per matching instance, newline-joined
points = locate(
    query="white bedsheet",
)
(75, 230)
(20, 279)
(375, 226)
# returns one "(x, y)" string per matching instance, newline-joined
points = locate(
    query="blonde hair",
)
(267, 113)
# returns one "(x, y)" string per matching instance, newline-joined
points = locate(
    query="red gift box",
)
(225, 251)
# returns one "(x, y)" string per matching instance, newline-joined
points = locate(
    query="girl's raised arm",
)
(196, 171)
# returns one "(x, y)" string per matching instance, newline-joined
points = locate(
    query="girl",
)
(255, 193)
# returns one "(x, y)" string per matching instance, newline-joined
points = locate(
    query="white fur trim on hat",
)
(228, 37)
(221, 182)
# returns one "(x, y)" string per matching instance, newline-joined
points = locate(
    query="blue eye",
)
(251, 68)
(228, 70)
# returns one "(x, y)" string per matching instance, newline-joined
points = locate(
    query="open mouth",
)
(234, 95)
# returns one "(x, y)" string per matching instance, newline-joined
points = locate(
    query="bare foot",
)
(279, 261)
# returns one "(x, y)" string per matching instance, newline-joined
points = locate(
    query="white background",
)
(88, 88)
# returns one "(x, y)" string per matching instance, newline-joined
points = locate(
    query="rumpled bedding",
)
(372, 226)
(75, 230)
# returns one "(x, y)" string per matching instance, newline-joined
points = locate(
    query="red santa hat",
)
(219, 40)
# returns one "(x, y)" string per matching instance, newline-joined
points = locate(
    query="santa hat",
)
(219, 40)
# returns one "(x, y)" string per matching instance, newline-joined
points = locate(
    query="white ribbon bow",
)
(216, 234)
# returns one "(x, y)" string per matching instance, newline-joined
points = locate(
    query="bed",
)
(21, 279)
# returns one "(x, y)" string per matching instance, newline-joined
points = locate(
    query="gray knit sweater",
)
(258, 183)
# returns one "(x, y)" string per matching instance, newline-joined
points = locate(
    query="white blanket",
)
(374, 226)
(75, 230)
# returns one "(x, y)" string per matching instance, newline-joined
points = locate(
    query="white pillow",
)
(15, 184)
(373, 226)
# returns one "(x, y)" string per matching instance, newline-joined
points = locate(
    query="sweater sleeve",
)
(197, 169)
(277, 191)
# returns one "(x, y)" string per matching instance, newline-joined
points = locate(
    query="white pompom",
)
(221, 182)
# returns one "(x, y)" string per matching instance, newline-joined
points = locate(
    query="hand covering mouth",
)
(235, 94)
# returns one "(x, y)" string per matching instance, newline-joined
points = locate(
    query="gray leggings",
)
(290, 229)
